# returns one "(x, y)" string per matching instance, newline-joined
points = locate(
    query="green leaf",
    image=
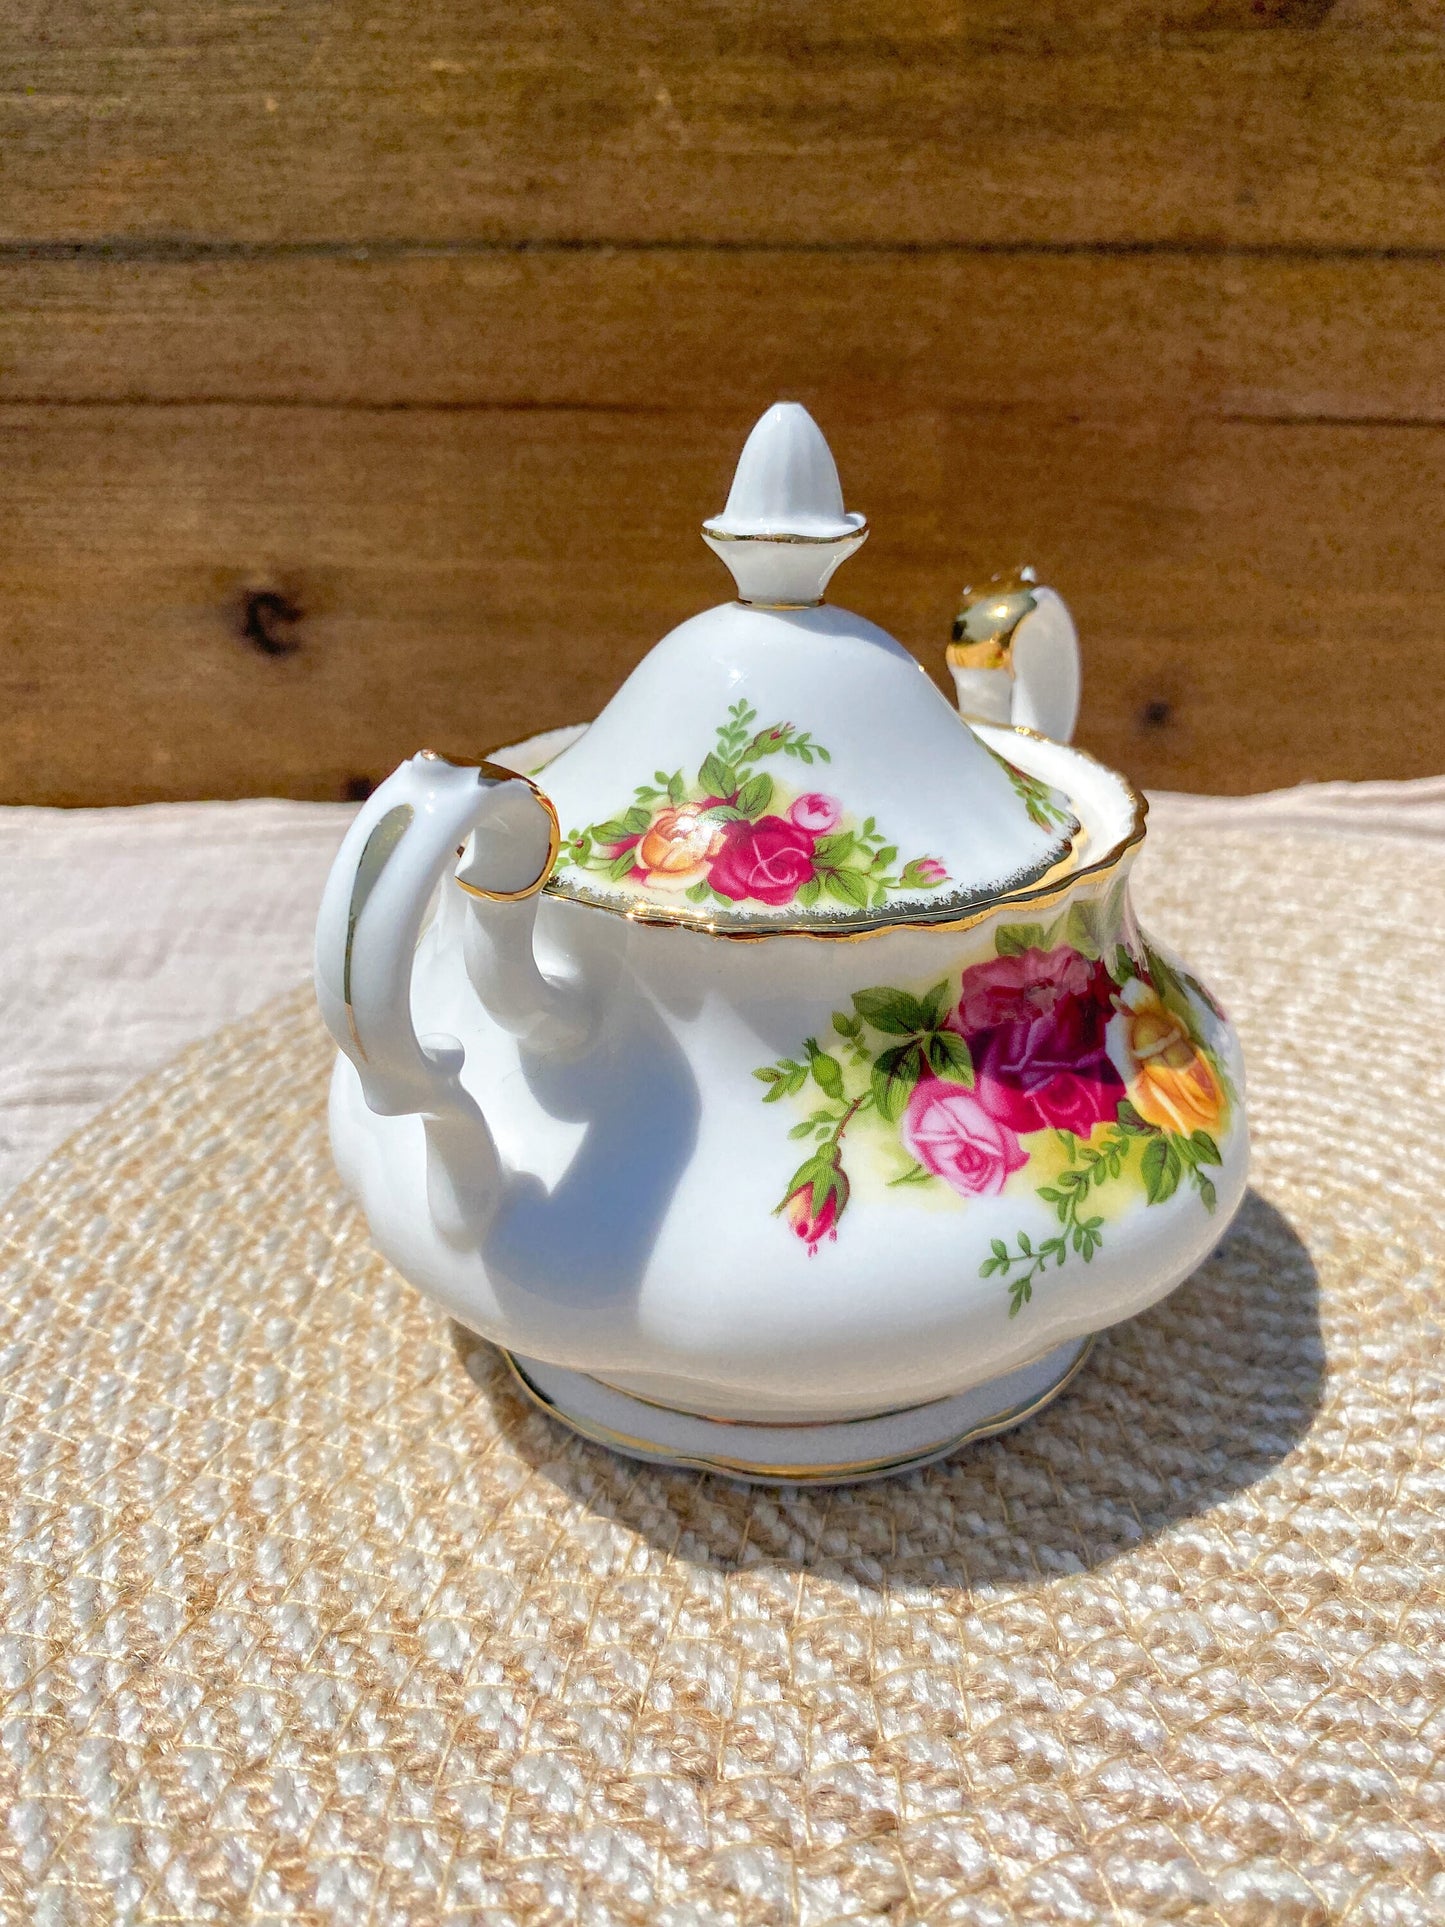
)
(676, 788)
(1131, 1120)
(698, 892)
(1081, 928)
(1208, 1194)
(1124, 966)
(801, 1130)
(820, 1165)
(1015, 938)
(895, 1072)
(915, 1174)
(636, 821)
(999, 1250)
(612, 831)
(755, 796)
(845, 1025)
(809, 892)
(831, 851)
(790, 1081)
(1205, 1149)
(769, 1074)
(622, 866)
(715, 778)
(949, 1056)
(936, 1001)
(828, 1075)
(892, 1011)
(1162, 1169)
(848, 886)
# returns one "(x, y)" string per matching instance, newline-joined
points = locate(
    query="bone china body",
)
(780, 1077)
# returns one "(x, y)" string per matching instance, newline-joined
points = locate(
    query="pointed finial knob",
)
(785, 530)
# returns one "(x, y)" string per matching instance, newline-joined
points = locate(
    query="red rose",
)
(1036, 1025)
(768, 860)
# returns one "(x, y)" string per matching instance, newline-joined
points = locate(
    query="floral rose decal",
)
(1048, 1047)
(955, 1136)
(735, 835)
(1172, 1084)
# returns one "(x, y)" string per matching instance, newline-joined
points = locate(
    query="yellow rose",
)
(1170, 1081)
(677, 843)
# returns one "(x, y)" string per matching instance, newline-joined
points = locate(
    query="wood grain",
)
(1097, 334)
(1290, 122)
(365, 372)
(1261, 600)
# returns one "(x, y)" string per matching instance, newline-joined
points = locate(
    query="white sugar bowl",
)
(774, 1068)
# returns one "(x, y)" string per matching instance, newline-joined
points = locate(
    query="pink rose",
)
(952, 1135)
(816, 813)
(930, 870)
(1036, 1025)
(767, 860)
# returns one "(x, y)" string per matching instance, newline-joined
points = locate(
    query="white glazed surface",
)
(632, 1232)
(897, 751)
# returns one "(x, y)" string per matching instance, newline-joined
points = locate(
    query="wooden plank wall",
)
(365, 371)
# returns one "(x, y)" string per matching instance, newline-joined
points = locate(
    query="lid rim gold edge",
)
(1035, 893)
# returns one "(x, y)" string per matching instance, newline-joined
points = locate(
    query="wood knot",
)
(268, 618)
(1156, 713)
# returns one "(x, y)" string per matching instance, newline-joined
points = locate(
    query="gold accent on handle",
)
(493, 774)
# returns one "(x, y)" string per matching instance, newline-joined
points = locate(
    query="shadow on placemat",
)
(1174, 1412)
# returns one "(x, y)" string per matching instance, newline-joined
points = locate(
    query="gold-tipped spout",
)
(988, 615)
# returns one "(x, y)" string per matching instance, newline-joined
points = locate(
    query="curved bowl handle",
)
(404, 838)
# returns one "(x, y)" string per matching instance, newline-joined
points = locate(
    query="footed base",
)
(824, 1452)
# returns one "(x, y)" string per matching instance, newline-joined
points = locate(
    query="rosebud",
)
(815, 1217)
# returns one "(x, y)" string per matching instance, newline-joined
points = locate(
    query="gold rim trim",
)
(799, 1474)
(489, 772)
(796, 541)
(772, 1424)
(1040, 893)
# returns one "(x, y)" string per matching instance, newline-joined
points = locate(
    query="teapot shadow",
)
(587, 1240)
(1177, 1410)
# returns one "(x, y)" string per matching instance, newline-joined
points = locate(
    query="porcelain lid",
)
(779, 764)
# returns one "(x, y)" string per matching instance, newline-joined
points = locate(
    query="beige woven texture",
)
(308, 1618)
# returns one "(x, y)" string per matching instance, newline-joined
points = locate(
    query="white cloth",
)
(125, 934)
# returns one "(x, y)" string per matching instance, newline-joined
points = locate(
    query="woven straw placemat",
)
(309, 1618)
